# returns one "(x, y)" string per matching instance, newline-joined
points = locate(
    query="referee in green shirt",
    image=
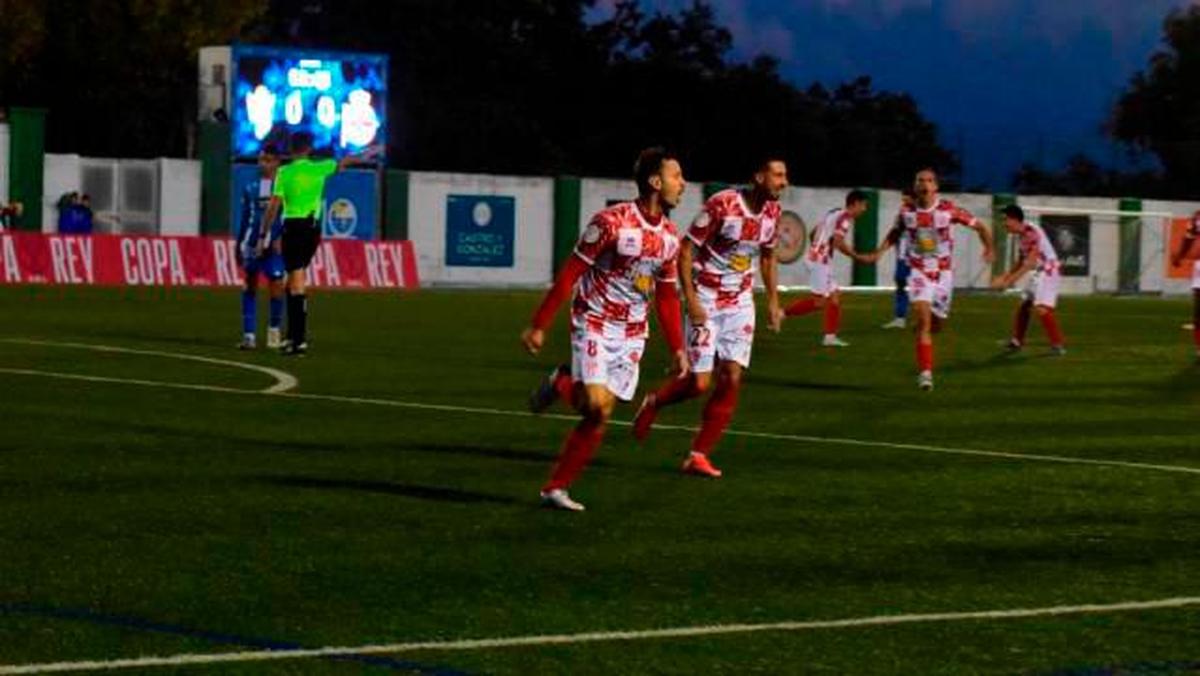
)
(299, 188)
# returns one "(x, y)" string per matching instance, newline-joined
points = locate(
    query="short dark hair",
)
(856, 196)
(649, 164)
(1014, 211)
(302, 142)
(931, 170)
(761, 162)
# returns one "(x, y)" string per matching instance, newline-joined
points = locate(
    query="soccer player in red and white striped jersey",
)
(1037, 255)
(736, 230)
(626, 256)
(830, 236)
(927, 228)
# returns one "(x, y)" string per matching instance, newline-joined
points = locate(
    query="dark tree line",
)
(520, 86)
(1158, 114)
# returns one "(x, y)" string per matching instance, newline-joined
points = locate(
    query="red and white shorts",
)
(939, 293)
(597, 359)
(1043, 289)
(727, 334)
(822, 279)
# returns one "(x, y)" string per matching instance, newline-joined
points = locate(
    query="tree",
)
(119, 78)
(1160, 110)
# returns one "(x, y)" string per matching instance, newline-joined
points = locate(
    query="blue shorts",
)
(902, 272)
(270, 265)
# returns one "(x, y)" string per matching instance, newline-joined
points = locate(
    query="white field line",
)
(471, 410)
(283, 381)
(534, 641)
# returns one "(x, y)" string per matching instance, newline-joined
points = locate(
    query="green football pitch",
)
(1032, 515)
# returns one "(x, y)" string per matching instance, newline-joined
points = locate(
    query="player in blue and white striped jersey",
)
(269, 263)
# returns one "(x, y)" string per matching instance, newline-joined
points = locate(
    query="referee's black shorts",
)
(301, 236)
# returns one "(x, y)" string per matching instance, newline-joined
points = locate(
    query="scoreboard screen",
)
(340, 98)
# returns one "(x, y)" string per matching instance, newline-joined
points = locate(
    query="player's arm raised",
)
(365, 157)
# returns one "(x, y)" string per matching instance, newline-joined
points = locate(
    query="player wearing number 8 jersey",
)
(627, 255)
(1037, 255)
(927, 227)
(736, 231)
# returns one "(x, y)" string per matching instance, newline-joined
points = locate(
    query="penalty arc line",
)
(471, 410)
(601, 636)
(284, 382)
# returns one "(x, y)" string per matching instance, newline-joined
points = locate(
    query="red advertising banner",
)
(129, 260)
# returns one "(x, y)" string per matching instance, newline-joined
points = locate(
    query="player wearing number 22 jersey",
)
(927, 227)
(736, 232)
(627, 258)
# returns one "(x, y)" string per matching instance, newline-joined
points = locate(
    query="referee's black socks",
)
(297, 305)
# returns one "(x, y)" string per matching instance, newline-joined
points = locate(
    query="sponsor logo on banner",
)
(113, 260)
(480, 231)
(342, 218)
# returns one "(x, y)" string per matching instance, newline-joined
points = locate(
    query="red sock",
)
(717, 414)
(801, 307)
(1050, 323)
(565, 385)
(833, 318)
(676, 390)
(924, 356)
(1021, 324)
(581, 444)
(1196, 333)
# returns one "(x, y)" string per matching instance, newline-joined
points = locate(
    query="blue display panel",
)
(339, 97)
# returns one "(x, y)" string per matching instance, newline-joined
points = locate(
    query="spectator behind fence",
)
(10, 214)
(74, 214)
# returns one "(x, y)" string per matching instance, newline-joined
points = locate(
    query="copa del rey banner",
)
(128, 260)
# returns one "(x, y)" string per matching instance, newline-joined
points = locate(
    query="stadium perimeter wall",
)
(1123, 254)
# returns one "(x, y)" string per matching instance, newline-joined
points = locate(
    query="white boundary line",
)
(447, 408)
(284, 382)
(187, 659)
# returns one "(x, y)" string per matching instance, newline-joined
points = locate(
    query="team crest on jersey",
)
(629, 242)
(739, 263)
(926, 241)
(643, 283)
(591, 234)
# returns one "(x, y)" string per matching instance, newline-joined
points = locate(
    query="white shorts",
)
(1043, 289)
(938, 293)
(822, 279)
(1196, 275)
(612, 362)
(727, 335)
